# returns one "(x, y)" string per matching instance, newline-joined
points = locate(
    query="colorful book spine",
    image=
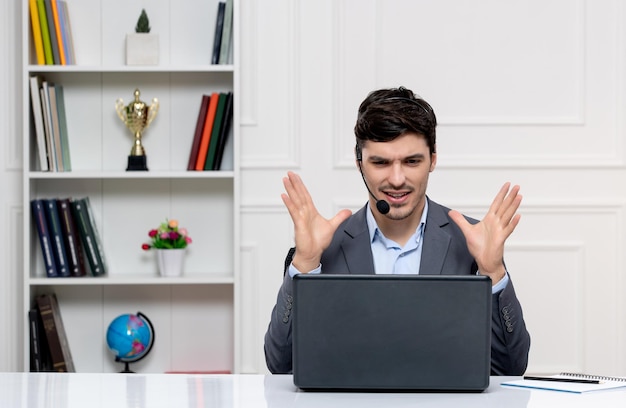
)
(219, 25)
(215, 132)
(89, 239)
(54, 44)
(227, 33)
(56, 237)
(54, 4)
(206, 132)
(72, 239)
(63, 136)
(54, 122)
(224, 132)
(45, 33)
(55, 333)
(35, 99)
(195, 146)
(41, 224)
(36, 30)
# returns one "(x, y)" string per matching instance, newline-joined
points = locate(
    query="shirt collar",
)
(372, 226)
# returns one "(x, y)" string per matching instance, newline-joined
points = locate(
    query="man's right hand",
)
(313, 233)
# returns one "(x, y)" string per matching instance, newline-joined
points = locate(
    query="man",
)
(400, 230)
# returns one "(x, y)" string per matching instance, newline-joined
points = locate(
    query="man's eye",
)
(379, 162)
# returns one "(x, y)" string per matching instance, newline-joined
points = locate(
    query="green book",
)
(45, 33)
(81, 209)
(65, 143)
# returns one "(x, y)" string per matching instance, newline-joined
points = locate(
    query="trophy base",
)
(137, 163)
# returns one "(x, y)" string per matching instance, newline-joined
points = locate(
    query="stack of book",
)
(212, 129)
(222, 41)
(67, 236)
(49, 348)
(50, 122)
(52, 35)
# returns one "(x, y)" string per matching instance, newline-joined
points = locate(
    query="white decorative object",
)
(171, 261)
(142, 49)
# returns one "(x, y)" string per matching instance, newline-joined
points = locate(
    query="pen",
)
(570, 380)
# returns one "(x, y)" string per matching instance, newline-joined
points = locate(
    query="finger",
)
(460, 220)
(499, 198)
(509, 210)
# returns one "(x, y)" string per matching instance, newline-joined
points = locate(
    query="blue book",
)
(41, 224)
(56, 237)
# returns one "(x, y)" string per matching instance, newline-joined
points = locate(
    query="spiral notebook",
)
(568, 384)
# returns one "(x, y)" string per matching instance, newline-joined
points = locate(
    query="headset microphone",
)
(381, 205)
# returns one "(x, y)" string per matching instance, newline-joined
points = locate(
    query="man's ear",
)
(433, 161)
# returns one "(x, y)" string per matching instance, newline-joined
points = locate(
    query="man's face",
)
(398, 171)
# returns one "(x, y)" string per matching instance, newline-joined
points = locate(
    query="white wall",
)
(531, 92)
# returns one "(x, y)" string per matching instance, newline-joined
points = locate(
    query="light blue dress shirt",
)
(390, 257)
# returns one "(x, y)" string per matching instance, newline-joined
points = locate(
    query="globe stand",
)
(126, 367)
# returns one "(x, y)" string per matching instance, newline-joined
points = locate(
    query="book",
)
(40, 133)
(54, 126)
(206, 132)
(54, 44)
(215, 132)
(68, 39)
(73, 245)
(47, 121)
(81, 210)
(39, 351)
(63, 137)
(227, 33)
(56, 237)
(569, 382)
(57, 29)
(60, 353)
(45, 33)
(41, 225)
(36, 30)
(224, 132)
(195, 146)
(217, 39)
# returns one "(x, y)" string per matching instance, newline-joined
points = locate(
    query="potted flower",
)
(170, 242)
(142, 48)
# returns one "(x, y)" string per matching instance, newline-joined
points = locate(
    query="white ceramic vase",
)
(142, 49)
(171, 261)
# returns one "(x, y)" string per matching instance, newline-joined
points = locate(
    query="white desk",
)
(43, 390)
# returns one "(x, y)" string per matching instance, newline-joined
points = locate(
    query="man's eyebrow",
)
(411, 157)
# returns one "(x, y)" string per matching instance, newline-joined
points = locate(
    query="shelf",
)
(127, 68)
(125, 175)
(134, 280)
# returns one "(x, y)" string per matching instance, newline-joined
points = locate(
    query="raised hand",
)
(485, 240)
(313, 233)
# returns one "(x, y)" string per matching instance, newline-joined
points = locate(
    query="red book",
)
(195, 146)
(206, 131)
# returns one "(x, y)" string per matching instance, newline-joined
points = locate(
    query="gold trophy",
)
(137, 116)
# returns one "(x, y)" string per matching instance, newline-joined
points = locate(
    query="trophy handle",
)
(120, 109)
(152, 111)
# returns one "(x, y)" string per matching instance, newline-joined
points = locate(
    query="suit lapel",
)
(435, 241)
(356, 244)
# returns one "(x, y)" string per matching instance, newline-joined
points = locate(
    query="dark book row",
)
(212, 128)
(68, 237)
(49, 348)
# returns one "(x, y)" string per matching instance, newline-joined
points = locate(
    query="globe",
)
(130, 337)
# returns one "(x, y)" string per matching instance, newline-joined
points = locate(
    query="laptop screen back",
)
(392, 332)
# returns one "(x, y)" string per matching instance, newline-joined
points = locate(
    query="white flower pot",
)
(171, 261)
(142, 49)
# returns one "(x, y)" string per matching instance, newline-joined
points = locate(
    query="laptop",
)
(392, 332)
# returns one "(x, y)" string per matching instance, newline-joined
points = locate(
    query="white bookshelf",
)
(195, 315)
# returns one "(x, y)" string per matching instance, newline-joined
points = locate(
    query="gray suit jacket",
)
(444, 252)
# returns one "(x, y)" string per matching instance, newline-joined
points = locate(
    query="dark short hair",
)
(386, 114)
